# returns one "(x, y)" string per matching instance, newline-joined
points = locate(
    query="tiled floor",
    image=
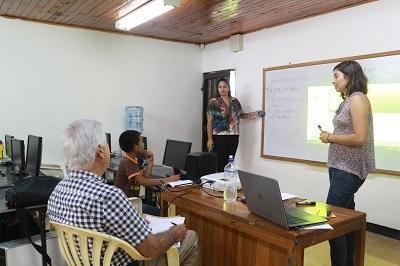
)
(379, 251)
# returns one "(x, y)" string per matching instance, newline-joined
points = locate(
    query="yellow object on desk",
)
(1, 150)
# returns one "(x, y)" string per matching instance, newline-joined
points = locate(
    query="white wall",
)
(364, 29)
(52, 75)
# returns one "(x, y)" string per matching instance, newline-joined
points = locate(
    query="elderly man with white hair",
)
(83, 199)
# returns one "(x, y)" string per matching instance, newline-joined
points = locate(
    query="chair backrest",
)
(137, 204)
(67, 235)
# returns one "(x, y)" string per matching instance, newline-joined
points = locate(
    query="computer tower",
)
(199, 164)
(20, 252)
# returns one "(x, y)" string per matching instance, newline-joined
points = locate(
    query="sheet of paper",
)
(286, 196)
(325, 226)
(180, 183)
(160, 224)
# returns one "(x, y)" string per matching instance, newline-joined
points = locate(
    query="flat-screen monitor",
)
(34, 155)
(175, 153)
(108, 137)
(8, 145)
(144, 142)
(18, 153)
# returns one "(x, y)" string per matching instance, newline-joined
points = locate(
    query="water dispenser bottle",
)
(134, 118)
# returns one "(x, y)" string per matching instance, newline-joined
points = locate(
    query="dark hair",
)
(353, 72)
(227, 83)
(128, 139)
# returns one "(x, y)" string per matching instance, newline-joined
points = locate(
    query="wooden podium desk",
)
(231, 235)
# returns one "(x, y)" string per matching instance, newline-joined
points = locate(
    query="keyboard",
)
(113, 165)
(19, 174)
(6, 186)
(162, 171)
(3, 192)
(294, 220)
(5, 163)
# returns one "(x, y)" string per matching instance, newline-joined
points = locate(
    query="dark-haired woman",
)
(223, 117)
(351, 151)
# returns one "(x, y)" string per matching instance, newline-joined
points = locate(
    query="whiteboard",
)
(298, 98)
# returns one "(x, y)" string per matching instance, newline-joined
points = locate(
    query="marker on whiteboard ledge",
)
(320, 128)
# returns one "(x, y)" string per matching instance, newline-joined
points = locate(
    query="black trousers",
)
(225, 145)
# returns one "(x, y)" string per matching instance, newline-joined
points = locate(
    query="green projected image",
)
(385, 102)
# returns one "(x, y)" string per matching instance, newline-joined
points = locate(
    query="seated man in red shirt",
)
(131, 175)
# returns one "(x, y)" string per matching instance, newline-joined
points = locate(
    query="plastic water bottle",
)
(134, 118)
(231, 177)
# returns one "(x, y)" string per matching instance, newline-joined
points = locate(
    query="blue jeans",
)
(343, 186)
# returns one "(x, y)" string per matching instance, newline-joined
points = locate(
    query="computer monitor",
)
(18, 153)
(108, 137)
(8, 145)
(34, 155)
(144, 142)
(175, 153)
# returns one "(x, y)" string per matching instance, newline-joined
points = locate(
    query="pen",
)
(306, 203)
(320, 128)
(173, 223)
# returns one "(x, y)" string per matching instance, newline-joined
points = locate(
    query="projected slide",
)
(385, 101)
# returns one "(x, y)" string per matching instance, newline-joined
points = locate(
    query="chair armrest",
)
(173, 256)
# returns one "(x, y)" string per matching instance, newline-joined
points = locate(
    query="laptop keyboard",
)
(294, 220)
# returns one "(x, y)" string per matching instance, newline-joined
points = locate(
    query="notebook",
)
(263, 197)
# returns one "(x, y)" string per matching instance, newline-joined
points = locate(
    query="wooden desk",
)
(231, 235)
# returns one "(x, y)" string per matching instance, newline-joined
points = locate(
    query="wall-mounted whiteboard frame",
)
(280, 144)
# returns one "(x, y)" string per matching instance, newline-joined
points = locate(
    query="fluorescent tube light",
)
(142, 14)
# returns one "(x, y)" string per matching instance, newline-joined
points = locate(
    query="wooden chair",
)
(69, 250)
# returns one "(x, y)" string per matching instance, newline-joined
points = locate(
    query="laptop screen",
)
(263, 197)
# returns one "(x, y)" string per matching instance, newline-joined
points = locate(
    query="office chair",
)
(67, 233)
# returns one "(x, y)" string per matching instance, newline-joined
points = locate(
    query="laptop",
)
(263, 197)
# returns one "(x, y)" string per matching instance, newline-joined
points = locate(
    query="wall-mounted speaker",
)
(236, 42)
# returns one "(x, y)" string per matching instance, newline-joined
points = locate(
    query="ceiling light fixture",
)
(145, 13)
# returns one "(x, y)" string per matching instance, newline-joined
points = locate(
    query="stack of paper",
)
(160, 224)
(325, 226)
(286, 196)
(180, 183)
